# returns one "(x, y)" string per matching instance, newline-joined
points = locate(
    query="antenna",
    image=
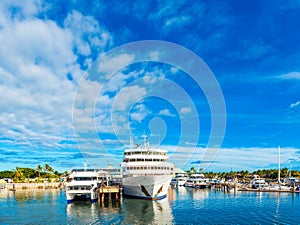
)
(131, 142)
(279, 164)
(145, 140)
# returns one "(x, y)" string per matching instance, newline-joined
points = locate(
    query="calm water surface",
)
(183, 206)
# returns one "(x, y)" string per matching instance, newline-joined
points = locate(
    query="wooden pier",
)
(109, 193)
(268, 190)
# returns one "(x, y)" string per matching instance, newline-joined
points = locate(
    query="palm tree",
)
(18, 175)
(48, 168)
(193, 170)
(39, 169)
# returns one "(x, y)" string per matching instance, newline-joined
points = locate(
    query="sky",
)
(216, 83)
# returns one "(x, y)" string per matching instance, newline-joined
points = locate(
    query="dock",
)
(109, 193)
(267, 190)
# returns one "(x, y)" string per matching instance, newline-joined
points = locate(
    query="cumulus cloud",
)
(185, 110)
(296, 104)
(251, 158)
(139, 113)
(86, 33)
(165, 112)
(128, 96)
(178, 21)
(39, 72)
(110, 65)
(291, 75)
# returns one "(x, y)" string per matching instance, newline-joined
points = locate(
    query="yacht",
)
(179, 179)
(84, 184)
(258, 182)
(197, 180)
(146, 171)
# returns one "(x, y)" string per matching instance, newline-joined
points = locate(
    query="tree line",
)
(38, 174)
(271, 174)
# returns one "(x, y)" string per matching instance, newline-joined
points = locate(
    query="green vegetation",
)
(271, 174)
(39, 174)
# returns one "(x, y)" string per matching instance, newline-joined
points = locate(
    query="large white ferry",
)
(146, 172)
(84, 184)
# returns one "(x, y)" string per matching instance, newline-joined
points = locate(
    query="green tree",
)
(48, 171)
(39, 169)
(18, 175)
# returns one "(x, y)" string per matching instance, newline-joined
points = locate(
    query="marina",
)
(183, 205)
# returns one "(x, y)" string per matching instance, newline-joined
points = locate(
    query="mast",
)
(279, 164)
(131, 142)
(145, 140)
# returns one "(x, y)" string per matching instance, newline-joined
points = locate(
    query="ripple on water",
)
(183, 206)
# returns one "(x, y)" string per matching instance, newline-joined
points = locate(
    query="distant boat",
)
(197, 180)
(258, 182)
(146, 172)
(84, 184)
(179, 179)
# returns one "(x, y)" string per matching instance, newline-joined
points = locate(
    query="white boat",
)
(258, 182)
(146, 172)
(197, 180)
(84, 184)
(292, 181)
(179, 179)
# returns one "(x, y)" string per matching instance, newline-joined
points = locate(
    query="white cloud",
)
(110, 65)
(291, 75)
(139, 113)
(174, 70)
(165, 112)
(154, 56)
(185, 110)
(35, 58)
(128, 96)
(178, 21)
(86, 33)
(251, 158)
(293, 105)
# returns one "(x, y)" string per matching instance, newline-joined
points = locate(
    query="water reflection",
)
(197, 194)
(147, 212)
(24, 196)
(83, 212)
(130, 211)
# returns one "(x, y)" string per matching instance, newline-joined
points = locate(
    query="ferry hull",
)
(71, 196)
(147, 187)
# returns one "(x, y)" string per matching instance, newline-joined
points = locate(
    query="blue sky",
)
(69, 94)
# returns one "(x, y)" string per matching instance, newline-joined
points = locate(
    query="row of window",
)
(145, 153)
(88, 178)
(85, 178)
(146, 174)
(87, 188)
(149, 168)
(143, 160)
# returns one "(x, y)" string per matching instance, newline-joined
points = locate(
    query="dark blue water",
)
(183, 206)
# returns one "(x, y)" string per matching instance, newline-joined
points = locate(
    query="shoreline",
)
(33, 186)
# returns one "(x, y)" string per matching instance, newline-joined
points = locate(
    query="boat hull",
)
(150, 187)
(91, 195)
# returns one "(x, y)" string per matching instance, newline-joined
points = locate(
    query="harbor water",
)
(182, 206)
